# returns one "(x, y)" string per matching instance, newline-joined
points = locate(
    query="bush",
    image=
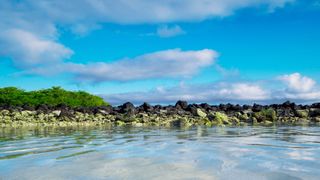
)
(12, 96)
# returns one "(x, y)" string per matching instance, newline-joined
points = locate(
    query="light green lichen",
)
(302, 113)
(220, 119)
(200, 113)
(266, 115)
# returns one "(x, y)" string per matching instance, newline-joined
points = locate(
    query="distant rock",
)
(127, 108)
(182, 105)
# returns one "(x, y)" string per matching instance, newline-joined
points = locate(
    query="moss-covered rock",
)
(266, 115)
(234, 120)
(302, 113)
(180, 122)
(219, 118)
(200, 113)
(120, 123)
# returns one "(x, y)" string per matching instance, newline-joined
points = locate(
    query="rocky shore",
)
(181, 114)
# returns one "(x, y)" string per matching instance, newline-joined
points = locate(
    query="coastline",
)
(181, 114)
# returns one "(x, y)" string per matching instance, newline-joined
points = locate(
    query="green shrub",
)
(53, 96)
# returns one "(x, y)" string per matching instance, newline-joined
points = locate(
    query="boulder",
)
(127, 108)
(223, 107)
(146, 107)
(288, 104)
(43, 108)
(200, 113)
(302, 113)
(28, 108)
(180, 122)
(285, 112)
(181, 104)
(314, 112)
(218, 118)
(315, 105)
(257, 108)
(266, 115)
(192, 109)
(56, 112)
(205, 106)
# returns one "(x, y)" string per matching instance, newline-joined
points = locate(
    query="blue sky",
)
(239, 51)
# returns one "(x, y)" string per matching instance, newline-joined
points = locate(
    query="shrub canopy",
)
(53, 96)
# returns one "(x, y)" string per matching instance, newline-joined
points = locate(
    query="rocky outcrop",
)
(181, 114)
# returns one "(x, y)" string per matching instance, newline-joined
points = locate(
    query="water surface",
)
(160, 153)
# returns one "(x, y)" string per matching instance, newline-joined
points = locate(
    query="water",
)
(160, 153)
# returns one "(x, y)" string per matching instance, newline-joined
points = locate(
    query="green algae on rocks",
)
(182, 114)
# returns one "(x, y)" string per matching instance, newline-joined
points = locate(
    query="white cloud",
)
(241, 92)
(298, 88)
(298, 83)
(161, 64)
(169, 31)
(26, 49)
(37, 21)
(224, 92)
(145, 11)
(301, 155)
(308, 96)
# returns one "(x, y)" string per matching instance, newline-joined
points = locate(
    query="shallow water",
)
(160, 153)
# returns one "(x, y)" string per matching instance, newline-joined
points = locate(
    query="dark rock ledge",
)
(182, 114)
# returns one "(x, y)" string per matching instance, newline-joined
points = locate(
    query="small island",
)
(59, 107)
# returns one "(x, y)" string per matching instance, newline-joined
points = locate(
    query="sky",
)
(161, 51)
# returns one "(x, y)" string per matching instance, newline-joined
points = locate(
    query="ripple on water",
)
(151, 153)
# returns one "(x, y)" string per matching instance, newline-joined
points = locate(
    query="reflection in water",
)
(160, 153)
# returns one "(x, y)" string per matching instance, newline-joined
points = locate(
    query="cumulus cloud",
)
(298, 83)
(161, 64)
(145, 11)
(27, 49)
(298, 88)
(241, 92)
(169, 31)
(223, 92)
(37, 21)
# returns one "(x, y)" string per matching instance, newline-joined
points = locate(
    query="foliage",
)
(53, 96)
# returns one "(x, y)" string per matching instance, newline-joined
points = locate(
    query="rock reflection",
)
(105, 152)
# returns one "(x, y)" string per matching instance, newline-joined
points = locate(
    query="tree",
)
(53, 96)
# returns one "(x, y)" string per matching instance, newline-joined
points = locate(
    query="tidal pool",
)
(160, 153)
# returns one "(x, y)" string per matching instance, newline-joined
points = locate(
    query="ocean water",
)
(160, 153)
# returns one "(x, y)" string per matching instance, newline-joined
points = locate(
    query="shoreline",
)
(180, 115)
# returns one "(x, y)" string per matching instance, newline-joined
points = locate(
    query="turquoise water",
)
(160, 153)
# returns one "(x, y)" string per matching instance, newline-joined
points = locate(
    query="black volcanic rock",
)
(192, 109)
(181, 104)
(205, 106)
(315, 105)
(288, 104)
(27, 107)
(107, 109)
(246, 107)
(257, 108)
(314, 113)
(231, 107)
(214, 108)
(43, 108)
(180, 114)
(223, 107)
(127, 108)
(146, 107)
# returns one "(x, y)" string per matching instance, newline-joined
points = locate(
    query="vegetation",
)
(12, 96)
